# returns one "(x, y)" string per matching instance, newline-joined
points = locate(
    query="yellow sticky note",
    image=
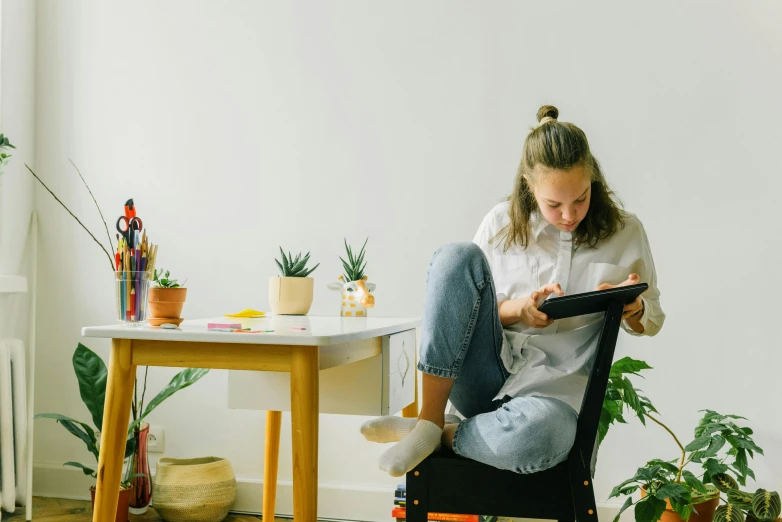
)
(247, 312)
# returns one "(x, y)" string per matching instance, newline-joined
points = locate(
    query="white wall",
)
(243, 126)
(17, 100)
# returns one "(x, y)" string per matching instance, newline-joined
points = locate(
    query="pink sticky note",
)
(223, 325)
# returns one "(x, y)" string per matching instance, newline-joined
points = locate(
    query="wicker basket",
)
(194, 490)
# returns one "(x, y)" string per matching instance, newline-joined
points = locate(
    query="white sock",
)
(393, 428)
(422, 441)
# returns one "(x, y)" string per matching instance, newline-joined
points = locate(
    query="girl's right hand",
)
(530, 315)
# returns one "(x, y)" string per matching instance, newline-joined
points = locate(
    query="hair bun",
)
(548, 111)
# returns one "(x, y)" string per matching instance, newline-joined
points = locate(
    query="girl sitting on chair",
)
(517, 377)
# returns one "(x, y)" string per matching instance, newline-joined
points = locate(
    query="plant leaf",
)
(180, 381)
(130, 446)
(628, 365)
(627, 504)
(766, 505)
(282, 272)
(698, 443)
(650, 509)
(86, 433)
(691, 480)
(740, 499)
(724, 482)
(285, 264)
(85, 469)
(92, 374)
(648, 474)
(713, 467)
(677, 492)
(683, 509)
(728, 513)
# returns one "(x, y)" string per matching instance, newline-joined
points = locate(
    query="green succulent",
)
(294, 267)
(354, 269)
(163, 279)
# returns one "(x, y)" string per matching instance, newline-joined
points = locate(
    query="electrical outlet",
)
(156, 440)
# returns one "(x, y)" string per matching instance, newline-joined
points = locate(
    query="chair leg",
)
(584, 498)
(416, 507)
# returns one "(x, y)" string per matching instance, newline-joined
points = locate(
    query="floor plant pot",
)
(705, 511)
(123, 505)
(290, 295)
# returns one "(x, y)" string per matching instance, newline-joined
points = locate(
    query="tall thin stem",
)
(684, 453)
(143, 393)
(94, 201)
(111, 261)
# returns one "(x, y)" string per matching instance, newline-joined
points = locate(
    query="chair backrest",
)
(585, 445)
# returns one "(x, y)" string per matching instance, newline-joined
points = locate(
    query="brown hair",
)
(561, 146)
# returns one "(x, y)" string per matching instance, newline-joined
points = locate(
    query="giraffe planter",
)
(357, 296)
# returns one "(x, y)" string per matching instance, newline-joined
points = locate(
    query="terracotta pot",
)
(166, 302)
(705, 511)
(290, 295)
(123, 505)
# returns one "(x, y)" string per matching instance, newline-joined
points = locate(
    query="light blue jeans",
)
(461, 339)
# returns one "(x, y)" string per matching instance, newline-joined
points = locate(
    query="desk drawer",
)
(379, 385)
(398, 371)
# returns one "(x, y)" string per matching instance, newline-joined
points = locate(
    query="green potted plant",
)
(166, 298)
(291, 292)
(91, 374)
(355, 291)
(4, 156)
(669, 491)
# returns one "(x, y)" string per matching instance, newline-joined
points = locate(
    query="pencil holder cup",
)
(131, 290)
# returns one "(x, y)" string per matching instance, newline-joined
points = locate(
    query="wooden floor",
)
(61, 510)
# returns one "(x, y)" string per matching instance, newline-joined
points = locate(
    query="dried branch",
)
(111, 261)
(96, 203)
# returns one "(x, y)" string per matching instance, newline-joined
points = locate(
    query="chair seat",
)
(470, 487)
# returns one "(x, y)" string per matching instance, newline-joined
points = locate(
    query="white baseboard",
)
(336, 502)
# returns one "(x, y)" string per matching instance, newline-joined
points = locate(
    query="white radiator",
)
(13, 425)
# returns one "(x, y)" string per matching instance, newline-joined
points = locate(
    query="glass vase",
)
(137, 472)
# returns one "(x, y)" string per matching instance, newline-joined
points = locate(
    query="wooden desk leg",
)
(116, 416)
(271, 458)
(304, 422)
(411, 410)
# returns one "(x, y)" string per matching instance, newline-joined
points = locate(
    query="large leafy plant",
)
(721, 447)
(92, 375)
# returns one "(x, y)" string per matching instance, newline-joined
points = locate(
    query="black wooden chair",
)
(447, 483)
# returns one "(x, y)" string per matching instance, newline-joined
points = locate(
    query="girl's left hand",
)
(637, 306)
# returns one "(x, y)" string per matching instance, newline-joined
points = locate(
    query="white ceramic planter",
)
(353, 302)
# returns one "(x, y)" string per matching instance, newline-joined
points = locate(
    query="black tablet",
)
(589, 302)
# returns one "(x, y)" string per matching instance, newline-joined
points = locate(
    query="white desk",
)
(326, 342)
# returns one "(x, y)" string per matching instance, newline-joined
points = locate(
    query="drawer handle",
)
(400, 364)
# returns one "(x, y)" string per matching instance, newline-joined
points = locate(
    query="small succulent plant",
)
(294, 267)
(163, 279)
(354, 270)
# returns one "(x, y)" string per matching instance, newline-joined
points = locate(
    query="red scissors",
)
(128, 224)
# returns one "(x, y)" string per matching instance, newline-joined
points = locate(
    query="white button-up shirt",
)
(555, 361)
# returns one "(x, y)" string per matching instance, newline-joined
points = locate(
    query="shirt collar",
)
(537, 223)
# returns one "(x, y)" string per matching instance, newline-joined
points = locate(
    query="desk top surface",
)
(307, 330)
